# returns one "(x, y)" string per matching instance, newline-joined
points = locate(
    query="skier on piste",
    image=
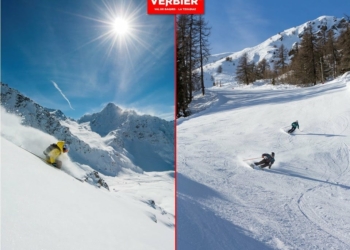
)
(267, 160)
(54, 151)
(294, 126)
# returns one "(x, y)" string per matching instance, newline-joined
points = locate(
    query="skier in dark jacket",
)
(267, 160)
(294, 126)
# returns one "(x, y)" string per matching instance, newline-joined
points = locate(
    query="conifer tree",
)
(204, 50)
(245, 71)
(324, 70)
(332, 53)
(344, 46)
(262, 69)
(305, 61)
(183, 66)
(192, 49)
(280, 64)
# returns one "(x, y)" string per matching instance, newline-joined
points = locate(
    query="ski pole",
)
(251, 159)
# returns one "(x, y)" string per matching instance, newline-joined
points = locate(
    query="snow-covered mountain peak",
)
(227, 62)
(108, 155)
(112, 108)
(57, 113)
(110, 118)
(143, 136)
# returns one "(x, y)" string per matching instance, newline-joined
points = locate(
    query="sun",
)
(120, 26)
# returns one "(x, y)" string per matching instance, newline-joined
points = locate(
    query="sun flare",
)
(120, 26)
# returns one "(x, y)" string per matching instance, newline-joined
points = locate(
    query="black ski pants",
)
(291, 130)
(263, 163)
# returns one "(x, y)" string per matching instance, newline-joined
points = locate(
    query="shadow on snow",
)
(246, 98)
(289, 173)
(195, 189)
(200, 228)
(327, 135)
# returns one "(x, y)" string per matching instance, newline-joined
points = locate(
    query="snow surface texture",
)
(45, 208)
(110, 142)
(265, 50)
(302, 202)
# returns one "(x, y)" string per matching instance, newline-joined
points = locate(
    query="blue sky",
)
(69, 55)
(65, 54)
(239, 24)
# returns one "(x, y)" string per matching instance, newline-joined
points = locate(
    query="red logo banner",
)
(174, 7)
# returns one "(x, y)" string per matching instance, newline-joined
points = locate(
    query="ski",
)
(285, 131)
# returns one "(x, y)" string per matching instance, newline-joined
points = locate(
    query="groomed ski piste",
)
(46, 208)
(302, 202)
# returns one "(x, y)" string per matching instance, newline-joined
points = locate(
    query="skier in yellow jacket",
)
(54, 151)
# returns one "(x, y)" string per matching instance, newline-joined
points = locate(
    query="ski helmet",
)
(273, 154)
(65, 148)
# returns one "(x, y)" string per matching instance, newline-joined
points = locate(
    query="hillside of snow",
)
(111, 141)
(302, 202)
(265, 50)
(46, 208)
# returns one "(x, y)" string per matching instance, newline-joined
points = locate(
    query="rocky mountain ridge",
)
(145, 137)
(105, 141)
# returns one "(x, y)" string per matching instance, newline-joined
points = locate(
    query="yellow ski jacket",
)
(54, 151)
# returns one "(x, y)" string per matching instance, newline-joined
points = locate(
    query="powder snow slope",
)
(301, 203)
(109, 141)
(46, 208)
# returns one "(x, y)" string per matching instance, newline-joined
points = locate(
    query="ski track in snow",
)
(301, 203)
